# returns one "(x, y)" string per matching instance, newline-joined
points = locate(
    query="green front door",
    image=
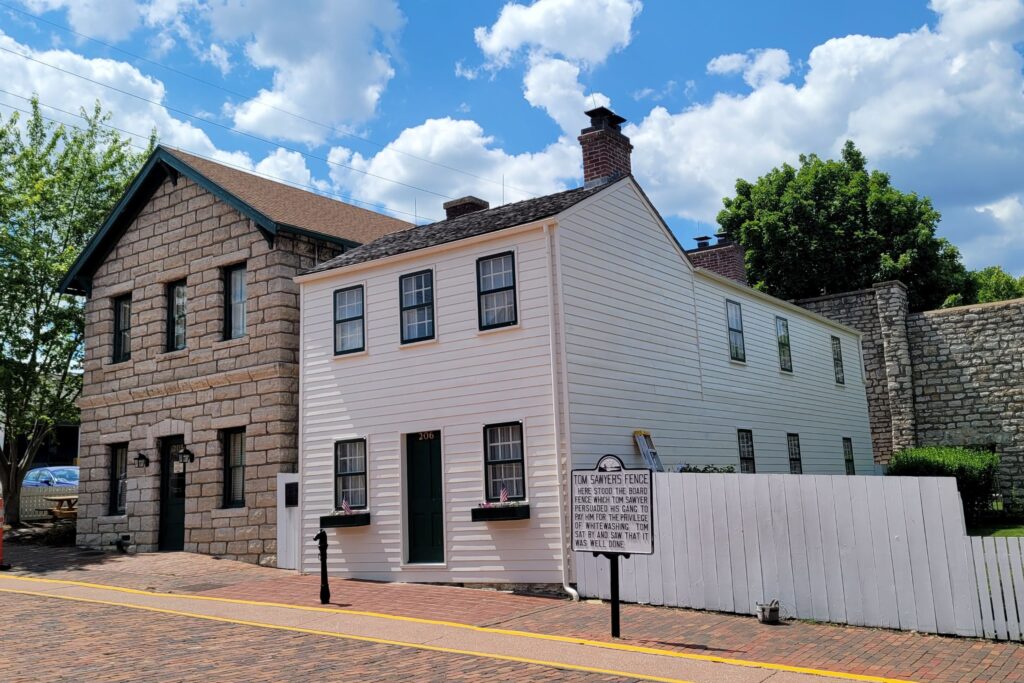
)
(423, 487)
(172, 495)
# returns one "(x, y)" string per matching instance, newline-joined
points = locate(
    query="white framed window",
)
(350, 474)
(734, 316)
(496, 290)
(349, 322)
(234, 301)
(416, 299)
(837, 360)
(503, 462)
(848, 455)
(745, 437)
(796, 465)
(785, 353)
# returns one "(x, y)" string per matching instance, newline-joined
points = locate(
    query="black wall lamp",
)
(141, 461)
(186, 456)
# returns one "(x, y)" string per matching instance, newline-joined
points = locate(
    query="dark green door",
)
(172, 494)
(423, 485)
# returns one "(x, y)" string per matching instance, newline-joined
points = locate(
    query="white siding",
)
(757, 395)
(646, 348)
(459, 383)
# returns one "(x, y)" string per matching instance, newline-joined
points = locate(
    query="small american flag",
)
(345, 506)
(504, 495)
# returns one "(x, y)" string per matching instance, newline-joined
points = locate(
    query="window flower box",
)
(498, 512)
(339, 520)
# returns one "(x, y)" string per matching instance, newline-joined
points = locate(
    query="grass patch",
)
(996, 529)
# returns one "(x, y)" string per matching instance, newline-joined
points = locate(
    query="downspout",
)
(556, 412)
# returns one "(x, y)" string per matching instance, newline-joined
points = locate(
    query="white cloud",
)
(460, 144)
(219, 57)
(286, 166)
(330, 61)
(584, 31)
(66, 92)
(941, 109)
(553, 85)
(112, 20)
(1004, 220)
(759, 67)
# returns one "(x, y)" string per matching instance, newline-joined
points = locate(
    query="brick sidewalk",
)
(849, 649)
(65, 641)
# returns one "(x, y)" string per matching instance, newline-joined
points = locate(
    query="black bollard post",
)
(325, 590)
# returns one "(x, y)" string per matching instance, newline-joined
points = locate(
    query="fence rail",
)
(862, 550)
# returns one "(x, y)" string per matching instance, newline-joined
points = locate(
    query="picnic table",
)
(65, 507)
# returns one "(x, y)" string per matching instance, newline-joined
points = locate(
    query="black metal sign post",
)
(613, 516)
(325, 590)
(613, 563)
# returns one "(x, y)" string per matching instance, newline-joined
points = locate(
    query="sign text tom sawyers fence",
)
(613, 509)
(613, 515)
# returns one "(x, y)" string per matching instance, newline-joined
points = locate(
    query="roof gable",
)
(273, 207)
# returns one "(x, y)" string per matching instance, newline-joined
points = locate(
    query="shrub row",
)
(974, 470)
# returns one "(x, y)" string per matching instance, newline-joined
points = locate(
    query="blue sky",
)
(402, 105)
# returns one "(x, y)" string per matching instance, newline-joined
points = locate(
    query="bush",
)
(975, 471)
(706, 469)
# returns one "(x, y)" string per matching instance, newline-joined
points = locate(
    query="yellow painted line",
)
(485, 629)
(345, 636)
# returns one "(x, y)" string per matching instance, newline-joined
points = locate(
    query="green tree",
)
(995, 284)
(57, 184)
(832, 226)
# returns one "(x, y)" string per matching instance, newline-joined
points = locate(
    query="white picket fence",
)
(868, 551)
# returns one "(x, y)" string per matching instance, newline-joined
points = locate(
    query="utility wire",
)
(346, 198)
(251, 98)
(182, 112)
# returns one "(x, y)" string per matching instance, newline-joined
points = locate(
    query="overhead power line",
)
(312, 188)
(252, 99)
(182, 112)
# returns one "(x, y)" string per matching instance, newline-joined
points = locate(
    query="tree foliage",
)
(832, 226)
(57, 184)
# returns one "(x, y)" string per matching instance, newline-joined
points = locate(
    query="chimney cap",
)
(703, 241)
(603, 117)
(463, 205)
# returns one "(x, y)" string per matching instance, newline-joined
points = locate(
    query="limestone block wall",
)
(187, 233)
(944, 377)
(969, 380)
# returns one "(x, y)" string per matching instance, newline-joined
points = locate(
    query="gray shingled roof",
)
(469, 225)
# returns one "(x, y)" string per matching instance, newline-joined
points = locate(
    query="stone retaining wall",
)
(945, 377)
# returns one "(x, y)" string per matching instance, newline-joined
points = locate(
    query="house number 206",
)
(426, 436)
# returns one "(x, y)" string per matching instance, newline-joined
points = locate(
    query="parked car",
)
(51, 476)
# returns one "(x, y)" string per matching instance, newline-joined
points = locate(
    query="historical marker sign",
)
(613, 509)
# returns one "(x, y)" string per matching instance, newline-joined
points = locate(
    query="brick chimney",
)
(463, 205)
(725, 257)
(605, 149)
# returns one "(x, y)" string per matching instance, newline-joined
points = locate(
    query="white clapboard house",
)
(451, 366)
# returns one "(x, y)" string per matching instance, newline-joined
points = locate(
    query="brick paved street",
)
(62, 641)
(852, 650)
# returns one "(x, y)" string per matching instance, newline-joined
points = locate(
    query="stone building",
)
(190, 397)
(944, 377)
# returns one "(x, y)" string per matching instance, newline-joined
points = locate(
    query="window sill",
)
(220, 513)
(424, 565)
(740, 363)
(497, 514)
(416, 344)
(337, 521)
(112, 519)
(352, 354)
(228, 343)
(176, 353)
(503, 328)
